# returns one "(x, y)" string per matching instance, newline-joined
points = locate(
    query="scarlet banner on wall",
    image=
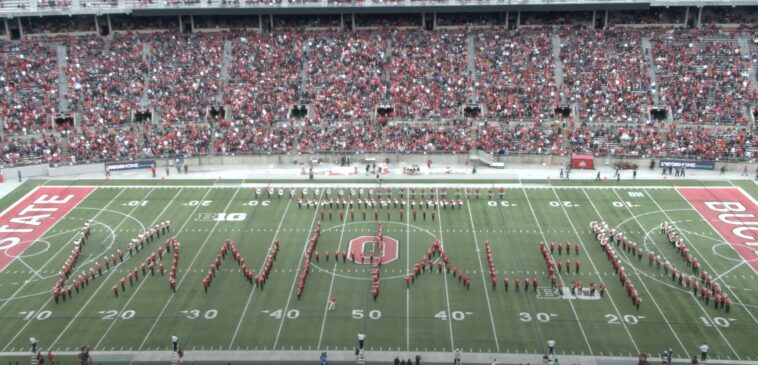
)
(582, 162)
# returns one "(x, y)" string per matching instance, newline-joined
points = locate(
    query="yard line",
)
(560, 277)
(35, 273)
(102, 283)
(481, 269)
(208, 237)
(407, 270)
(51, 298)
(134, 292)
(447, 294)
(651, 296)
(250, 297)
(594, 268)
(302, 256)
(734, 294)
(64, 246)
(331, 284)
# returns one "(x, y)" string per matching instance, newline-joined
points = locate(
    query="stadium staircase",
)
(745, 49)
(647, 48)
(61, 55)
(558, 66)
(224, 71)
(484, 158)
(471, 68)
(146, 84)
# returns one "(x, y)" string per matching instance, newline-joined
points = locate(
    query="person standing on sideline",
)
(704, 351)
(551, 346)
(175, 342)
(19, 175)
(457, 357)
(634, 174)
(598, 176)
(494, 361)
(361, 340)
(561, 174)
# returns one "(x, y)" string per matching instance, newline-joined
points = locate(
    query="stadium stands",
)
(705, 81)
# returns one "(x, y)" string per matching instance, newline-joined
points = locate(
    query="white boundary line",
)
(265, 257)
(51, 298)
(102, 282)
(404, 183)
(144, 279)
(447, 292)
(560, 277)
(297, 268)
(699, 305)
(592, 262)
(331, 284)
(187, 272)
(481, 270)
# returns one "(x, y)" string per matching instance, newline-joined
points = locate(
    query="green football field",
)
(434, 314)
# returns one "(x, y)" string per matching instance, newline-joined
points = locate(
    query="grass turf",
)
(435, 314)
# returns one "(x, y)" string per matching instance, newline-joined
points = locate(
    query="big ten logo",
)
(221, 217)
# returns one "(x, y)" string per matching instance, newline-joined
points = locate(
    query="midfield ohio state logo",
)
(362, 247)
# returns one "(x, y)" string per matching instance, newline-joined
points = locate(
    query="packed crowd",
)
(606, 75)
(682, 141)
(105, 77)
(185, 73)
(344, 73)
(515, 75)
(427, 74)
(98, 143)
(703, 80)
(267, 76)
(702, 77)
(28, 86)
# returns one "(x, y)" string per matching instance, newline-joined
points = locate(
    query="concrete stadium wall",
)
(437, 159)
(300, 160)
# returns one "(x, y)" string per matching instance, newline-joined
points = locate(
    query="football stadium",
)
(378, 182)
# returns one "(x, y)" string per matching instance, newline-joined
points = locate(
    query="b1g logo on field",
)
(361, 248)
(221, 217)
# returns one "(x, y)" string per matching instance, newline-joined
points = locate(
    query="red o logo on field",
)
(361, 247)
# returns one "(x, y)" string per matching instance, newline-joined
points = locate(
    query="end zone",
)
(730, 212)
(31, 217)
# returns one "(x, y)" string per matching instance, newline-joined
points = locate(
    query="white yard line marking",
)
(407, 271)
(18, 333)
(34, 272)
(694, 247)
(481, 270)
(331, 284)
(250, 297)
(102, 283)
(560, 276)
(299, 264)
(134, 292)
(192, 264)
(594, 268)
(651, 296)
(447, 294)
